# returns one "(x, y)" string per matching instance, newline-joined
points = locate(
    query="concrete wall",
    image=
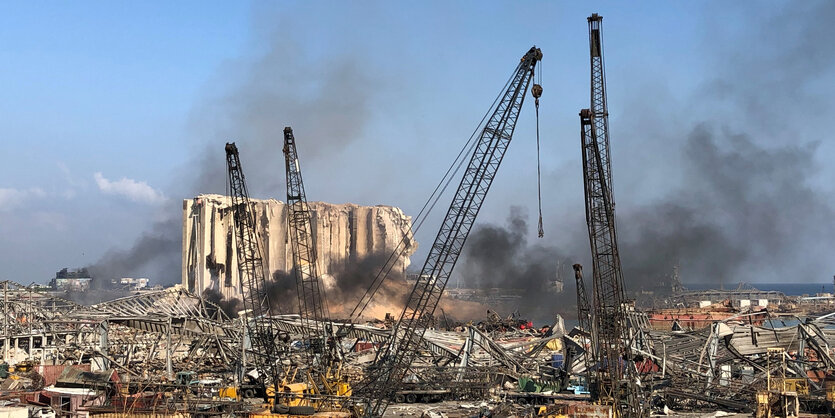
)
(343, 234)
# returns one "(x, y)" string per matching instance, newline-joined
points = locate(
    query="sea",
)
(789, 289)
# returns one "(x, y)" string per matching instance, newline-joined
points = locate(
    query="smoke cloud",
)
(279, 83)
(501, 257)
(747, 212)
(345, 283)
(156, 255)
(325, 100)
(230, 307)
(748, 208)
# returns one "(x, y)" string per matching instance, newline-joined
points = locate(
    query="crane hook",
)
(536, 91)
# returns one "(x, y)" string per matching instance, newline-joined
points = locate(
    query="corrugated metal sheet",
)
(50, 372)
(748, 340)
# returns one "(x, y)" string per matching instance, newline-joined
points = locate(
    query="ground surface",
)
(452, 409)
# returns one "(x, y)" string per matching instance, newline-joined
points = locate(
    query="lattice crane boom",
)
(426, 293)
(599, 107)
(252, 273)
(611, 345)
(313, 307)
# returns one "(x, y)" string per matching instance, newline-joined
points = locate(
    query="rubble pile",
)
(172, 350)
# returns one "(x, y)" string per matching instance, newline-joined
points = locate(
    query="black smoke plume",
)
(156, 255)
(230, 307)
(326, 101)
(501, 257)
(748, 208)
(353, 278)
(282, 292)
(747, 213)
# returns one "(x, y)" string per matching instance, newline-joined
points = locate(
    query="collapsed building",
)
(172, 350)
(343, 233)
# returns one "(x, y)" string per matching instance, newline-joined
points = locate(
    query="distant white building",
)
(134, 284)
(71, 280)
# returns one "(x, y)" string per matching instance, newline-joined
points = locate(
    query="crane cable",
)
(536, 91)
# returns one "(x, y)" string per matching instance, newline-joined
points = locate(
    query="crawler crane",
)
(612, 384)
(252, 274)
(394, 362)
(323, 354)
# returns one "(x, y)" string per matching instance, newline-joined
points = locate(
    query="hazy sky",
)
(113, 112)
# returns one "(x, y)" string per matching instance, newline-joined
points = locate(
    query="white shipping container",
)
(14, 412)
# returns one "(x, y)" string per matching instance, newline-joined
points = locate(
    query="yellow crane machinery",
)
(286, 389)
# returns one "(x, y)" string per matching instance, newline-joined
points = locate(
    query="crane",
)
(252, 273)
(313, 307)
(610, 317)
(489, 150)
(324, 356)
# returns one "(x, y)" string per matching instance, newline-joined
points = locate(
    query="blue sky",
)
(381, 95)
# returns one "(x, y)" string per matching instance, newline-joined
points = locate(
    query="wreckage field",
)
(229, 305)
(171, 351)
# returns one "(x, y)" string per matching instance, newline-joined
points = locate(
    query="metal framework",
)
(252, 273)
(585, 319)
(606, 268)
(420, 307)
(313, 307)
(607, 274)
(599, 109)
